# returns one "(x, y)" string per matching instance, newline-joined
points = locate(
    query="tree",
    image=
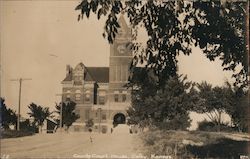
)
(167, 108)
(8, 117)
(39, 114)
(68, 114)
(216, 100)
(219, 28)
(238, 108)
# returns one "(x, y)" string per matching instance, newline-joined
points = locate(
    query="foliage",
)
(89, 124)
(238, 108)
(8, 116)
(211, 126)
(173, 27)
(39, 114)
(15, 133)
(215, 101)
(28, 126)
(166, 108)
(229, 99)
(179, 122)
(222, 148)
(68, 114)
(192, 144)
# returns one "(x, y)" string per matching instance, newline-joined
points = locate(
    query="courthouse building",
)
(99, 92)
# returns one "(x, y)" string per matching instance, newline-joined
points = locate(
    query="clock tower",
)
(119, 63)
(120, 55)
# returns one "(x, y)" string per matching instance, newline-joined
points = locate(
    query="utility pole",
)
(100, 110)
(19, 99)
(61, 105)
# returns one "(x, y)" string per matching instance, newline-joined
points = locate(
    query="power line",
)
(20, 80)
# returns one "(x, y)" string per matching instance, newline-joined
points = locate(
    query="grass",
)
(222, 148)
(195, 144)
(15, 133)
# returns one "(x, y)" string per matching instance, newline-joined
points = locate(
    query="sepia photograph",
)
(124, 79)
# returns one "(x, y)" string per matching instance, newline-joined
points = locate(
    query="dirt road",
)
(72, 145)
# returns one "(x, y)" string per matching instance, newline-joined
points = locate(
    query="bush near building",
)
(15, 133)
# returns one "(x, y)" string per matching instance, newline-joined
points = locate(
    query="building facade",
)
(100, 92)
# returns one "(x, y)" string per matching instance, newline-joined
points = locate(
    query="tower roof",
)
(122, 22)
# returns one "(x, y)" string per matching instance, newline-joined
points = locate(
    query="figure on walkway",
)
(91, 139)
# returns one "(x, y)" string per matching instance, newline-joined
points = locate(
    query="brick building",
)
(99, 91)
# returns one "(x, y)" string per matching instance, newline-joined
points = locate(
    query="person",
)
(91, 139)
(111, 130)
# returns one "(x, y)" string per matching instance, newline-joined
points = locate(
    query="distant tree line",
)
(38, 114)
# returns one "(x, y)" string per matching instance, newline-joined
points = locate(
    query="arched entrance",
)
(119, 118)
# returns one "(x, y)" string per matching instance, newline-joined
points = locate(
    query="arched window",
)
(68, 91)
(78, 97)
(78, 91)
(87, 96)
(68, 94)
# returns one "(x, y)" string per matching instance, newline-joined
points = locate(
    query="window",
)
(78, 97)
(103, 116)
(124, 97)
(78, 91)
(116, 98)
(68, 91)
(119, 73)
(67, 94)
(87, 96)
(102, 95)
(101, 100)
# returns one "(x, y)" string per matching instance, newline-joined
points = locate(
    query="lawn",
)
(195, 144)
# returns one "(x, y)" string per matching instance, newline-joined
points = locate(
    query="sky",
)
(39, 38)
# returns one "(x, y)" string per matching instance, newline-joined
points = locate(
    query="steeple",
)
(124, 31)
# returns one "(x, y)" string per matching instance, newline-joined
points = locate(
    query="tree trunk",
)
(219, 122)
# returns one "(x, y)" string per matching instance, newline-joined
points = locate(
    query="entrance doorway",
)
(119, 118)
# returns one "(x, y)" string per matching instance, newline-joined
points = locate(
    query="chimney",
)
(68, 70)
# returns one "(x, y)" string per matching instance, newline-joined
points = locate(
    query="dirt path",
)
(72, 145)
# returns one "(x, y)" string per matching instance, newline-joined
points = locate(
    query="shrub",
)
(179, 122)
(211, 126)
(14, 133)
